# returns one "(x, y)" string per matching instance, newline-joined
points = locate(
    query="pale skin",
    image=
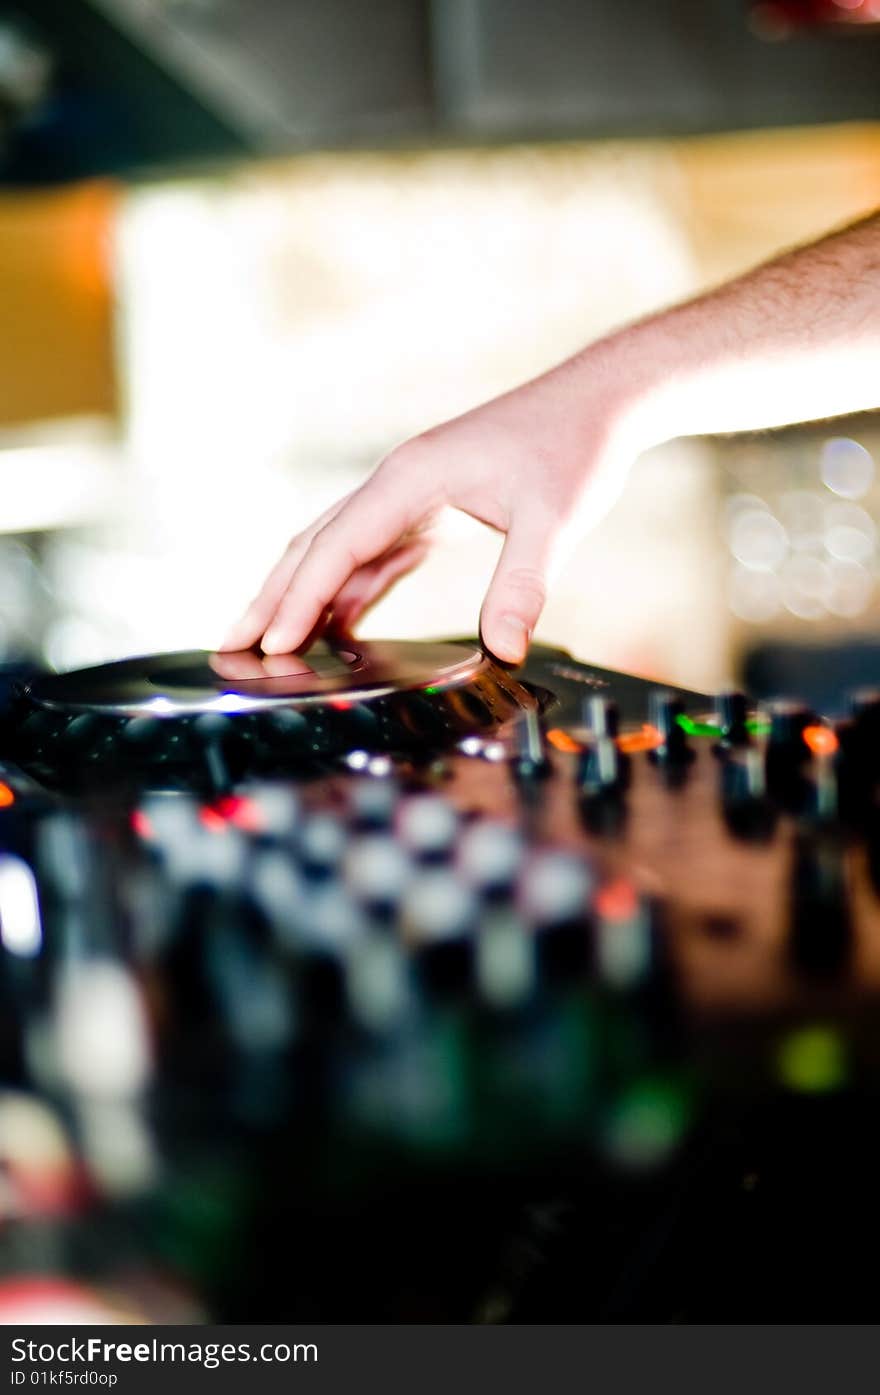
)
(796, 339)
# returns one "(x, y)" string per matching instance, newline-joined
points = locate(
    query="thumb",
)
(518, 590)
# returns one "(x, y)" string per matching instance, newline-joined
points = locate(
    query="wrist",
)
(637, 376)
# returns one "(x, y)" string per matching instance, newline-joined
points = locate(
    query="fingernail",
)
(513, 636)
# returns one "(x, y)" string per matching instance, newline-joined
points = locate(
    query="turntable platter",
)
(200, 681)
(226, 716)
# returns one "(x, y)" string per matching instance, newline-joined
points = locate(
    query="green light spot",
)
(648, 1122)
(692, 728)
(431, 690)
(758, 728)
(812, 1060)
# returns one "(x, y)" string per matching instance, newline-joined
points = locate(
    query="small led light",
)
(212, 819)
(617, 900)
(7, 796)
(694, 728)
(379, 765)
(647, 739)
(142, 825)
(357, 760)
(243, 812)
(812, 1060)
(21, 929)
(471, 746)
(821, 740)
(561, 741)
(494, 751)
(228, 702)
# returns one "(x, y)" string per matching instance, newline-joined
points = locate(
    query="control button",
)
(788, 752)
(377, 983)
(624, 937)
(821, 932)
(529, 758)
(554, 897)
(490, 855)
(747, 809)
(439, 915)
(278, 811)
(427, 825)
(277, 889)
(376, 871)
(372, 802)
(665, 708)
(554, 889)
(321, 845)
(438, 906)
(731, 713)
(601, 716)
(215, 733)
(506, 967)
(603, 769)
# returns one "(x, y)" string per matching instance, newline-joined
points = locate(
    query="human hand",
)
(538, 464)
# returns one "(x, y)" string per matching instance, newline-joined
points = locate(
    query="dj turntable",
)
(430, 973)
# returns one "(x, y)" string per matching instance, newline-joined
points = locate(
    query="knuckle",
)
(528, 584)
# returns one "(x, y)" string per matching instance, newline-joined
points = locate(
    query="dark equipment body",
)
(424, 990)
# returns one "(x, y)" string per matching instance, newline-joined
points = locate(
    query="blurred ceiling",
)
(94, 86)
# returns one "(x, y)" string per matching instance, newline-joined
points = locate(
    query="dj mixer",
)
(382, 982)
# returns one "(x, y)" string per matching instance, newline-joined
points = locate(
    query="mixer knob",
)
(277, 889)
(820, 919)
(625, 948)
(601, 716)
(859, 762)
(276, 811)
(747, 809)
(554, 897)
(865, 705)
(143, 735)
(215, 731)
(530, 760)
(439, 915)
(321, 846)
(731, 711)
(788, 752)
(377, 984)
(506, 960)
(603, 769)
(665, 708)
(427, 825)
(376, 870)
(372, 803)
(490, 855)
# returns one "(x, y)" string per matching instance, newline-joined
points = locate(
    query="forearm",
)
(796, 339)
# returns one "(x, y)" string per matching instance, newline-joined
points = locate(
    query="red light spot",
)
(340, 704)
(211, 819)
(617, 900)
(561, 741)
(141, 825)
(7, 796)
(243, 812)
(820, 740)
(648, 739)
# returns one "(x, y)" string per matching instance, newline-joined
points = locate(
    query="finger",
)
(360, 533)
(251, 625)
(518, 588)
(368, 585)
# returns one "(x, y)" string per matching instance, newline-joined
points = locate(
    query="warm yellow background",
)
(56, 340)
